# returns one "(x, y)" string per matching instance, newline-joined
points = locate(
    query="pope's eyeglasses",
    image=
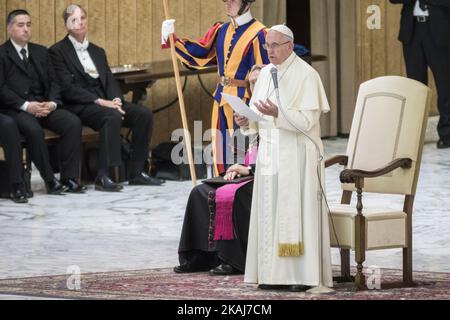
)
(274, 46)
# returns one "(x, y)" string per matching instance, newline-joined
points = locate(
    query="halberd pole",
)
(176, 69)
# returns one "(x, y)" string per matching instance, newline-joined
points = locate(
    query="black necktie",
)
(423, 5)
(23, 52)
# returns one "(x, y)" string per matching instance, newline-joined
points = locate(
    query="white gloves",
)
(168, 27)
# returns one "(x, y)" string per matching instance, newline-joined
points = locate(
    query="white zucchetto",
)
(281, 28)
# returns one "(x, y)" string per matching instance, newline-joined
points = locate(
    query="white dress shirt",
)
(84, 57)
(419, 12)
(19, 48)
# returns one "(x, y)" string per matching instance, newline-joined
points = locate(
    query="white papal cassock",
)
(283, 237)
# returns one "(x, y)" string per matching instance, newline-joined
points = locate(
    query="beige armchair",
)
(383, 157)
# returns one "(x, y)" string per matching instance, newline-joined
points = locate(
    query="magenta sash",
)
(250, 157)
(225, 195)
(224, 211)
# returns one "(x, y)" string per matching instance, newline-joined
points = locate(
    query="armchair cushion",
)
(384, 228)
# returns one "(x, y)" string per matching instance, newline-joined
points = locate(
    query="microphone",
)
(274, 72)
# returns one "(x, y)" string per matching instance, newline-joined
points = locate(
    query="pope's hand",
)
(267, 108)
(168, 27)
(241, 121)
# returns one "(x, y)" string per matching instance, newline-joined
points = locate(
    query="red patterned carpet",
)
(163, 284)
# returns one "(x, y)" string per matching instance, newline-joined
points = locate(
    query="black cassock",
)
(197, 246)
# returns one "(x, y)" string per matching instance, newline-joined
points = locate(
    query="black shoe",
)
(443, 144)
(189, 268)
(73, 186)
(29, 194)
(105, 184)
(298, 288)
(272, 287)
(224, 270)
(143, 179)
(19, 195)
(55, 187)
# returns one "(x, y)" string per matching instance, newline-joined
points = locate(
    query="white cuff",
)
(24, 107)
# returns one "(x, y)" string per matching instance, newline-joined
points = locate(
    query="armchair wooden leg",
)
(407, 252)
(345, 253)
(360, 255)
(360, 278)
(407, 266)
(345, 266)
(360, 239)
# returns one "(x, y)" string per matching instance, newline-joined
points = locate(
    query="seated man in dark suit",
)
(92, 93)
(30, 95)
(10, 142)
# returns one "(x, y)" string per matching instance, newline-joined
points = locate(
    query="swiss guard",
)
(235, 47)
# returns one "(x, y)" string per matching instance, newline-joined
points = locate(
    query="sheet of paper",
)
(241, 108)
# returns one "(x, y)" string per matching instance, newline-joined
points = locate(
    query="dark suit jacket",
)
(74, 80)
(15, 80)
(439, 20)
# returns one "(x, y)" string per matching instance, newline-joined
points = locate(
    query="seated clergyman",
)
(216, 221)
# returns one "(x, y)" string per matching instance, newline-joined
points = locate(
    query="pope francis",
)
(283, 245)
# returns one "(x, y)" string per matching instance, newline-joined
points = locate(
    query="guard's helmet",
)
(244, 5)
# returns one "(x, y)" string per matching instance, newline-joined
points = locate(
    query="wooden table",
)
(147, 74)
(138, 78)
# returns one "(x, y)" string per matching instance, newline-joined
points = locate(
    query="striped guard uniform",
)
(234, 48)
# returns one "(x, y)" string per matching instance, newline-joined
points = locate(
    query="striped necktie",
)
(23, 52)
